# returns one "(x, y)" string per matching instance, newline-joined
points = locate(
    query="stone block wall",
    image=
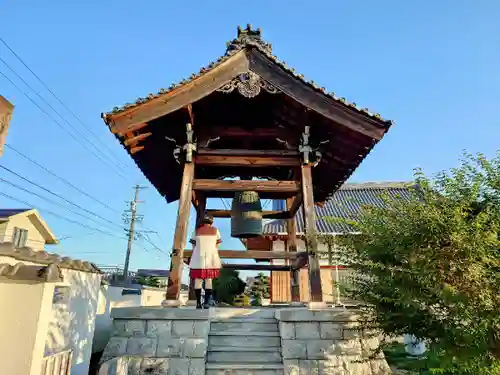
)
(158, 341)
(328, 342)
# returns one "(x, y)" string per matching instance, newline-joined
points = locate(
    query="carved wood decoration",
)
(249, 85)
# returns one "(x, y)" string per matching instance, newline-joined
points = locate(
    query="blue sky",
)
(430, 66)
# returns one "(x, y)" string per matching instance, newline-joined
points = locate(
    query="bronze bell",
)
(246, 215)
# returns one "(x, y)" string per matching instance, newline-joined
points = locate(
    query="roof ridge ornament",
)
(249, 85)
(248, 37)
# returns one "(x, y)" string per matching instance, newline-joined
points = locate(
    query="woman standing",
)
(205, 263)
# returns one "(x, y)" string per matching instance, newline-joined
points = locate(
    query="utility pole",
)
(133, 218)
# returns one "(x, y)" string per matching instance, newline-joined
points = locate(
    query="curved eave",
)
(164, 95)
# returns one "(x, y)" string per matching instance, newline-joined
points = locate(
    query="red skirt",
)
(204, 274)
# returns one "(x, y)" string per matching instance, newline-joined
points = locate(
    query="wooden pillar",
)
(310, 233)
(181, 228)
(201, 205)
(291, 245)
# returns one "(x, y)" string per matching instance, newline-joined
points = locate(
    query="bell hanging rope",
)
(246, 215)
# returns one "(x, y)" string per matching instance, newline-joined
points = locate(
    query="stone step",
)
(246, 333)
(244, 320)
(243, 326)
(244, 369)
(245, 341)
(238, 312)
(244, 357)
(243, 349)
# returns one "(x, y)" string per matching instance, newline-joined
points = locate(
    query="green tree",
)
(242, 300)
(228, 285)
(148, 281)
(260, 289)
(430, 266)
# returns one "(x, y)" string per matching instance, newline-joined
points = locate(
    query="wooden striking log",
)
(249, 254)
(240, 152)
(181, 227)
(244, 185)
(310, 231)
(247, 161)
(265, 214)
(256, 267)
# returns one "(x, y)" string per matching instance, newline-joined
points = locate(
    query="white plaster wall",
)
(152, 297)
(25, 311)
(109, 297)
(72, 323)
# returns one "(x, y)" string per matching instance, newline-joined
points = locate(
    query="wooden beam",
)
(181, 228)
(256, 267)
(310, 231)
(247, 161)
(136, 149)
(294, 203)
(265, 214)
(231, 131)
(181, 96)
(136, 139)
(310, 98)
(239, 152)
(249, 254)
(244, 185)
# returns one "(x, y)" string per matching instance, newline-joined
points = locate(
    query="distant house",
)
(25, 228)
(160, 275)
(346, 204)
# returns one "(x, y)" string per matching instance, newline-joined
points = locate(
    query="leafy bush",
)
(430, 266)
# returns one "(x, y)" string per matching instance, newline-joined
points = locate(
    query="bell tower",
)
(249, 115)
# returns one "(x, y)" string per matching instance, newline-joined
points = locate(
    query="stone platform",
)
(240, 341)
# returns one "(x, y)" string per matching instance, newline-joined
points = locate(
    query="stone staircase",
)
(245, 344)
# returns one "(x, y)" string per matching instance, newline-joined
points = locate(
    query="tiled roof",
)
(247, 38)
(346, 203)
(26, 254)
(21, 271)
(8, 212)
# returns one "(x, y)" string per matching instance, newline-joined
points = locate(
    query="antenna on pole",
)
(130, 216)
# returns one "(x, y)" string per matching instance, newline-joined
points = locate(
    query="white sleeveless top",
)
(205, 255)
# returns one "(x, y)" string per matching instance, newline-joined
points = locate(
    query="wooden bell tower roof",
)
(247, 100)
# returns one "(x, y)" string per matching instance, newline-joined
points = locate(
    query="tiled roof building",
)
(346, 203)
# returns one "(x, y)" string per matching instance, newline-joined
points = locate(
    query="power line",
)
(62, 127)
(49, 201)
(60, 178)
(59, 196)
(54, 110)
(146, 237)
(61, 216)
(55, 96)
